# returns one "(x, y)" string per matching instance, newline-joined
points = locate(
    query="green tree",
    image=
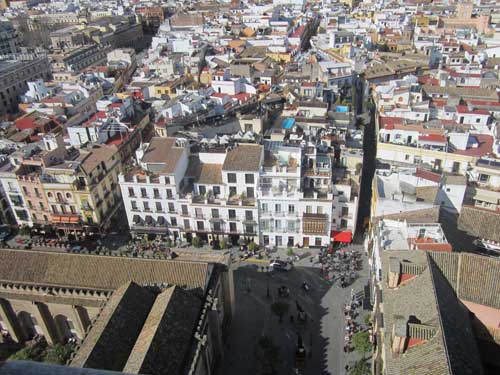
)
(196, 242)
(360, 368)
(361, 343)
(58, 354)
(268, 356)
(280, 309)
(367, 319)
(223, 244)
(252, 246)
(25, 230)
(35, 352)
(289, 252)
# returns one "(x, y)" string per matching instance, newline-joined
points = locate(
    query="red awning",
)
(342, 236)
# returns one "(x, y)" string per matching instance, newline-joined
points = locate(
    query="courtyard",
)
(322, 334)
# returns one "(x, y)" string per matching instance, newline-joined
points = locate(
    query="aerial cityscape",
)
(250, 187)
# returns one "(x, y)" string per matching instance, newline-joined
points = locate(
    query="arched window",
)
(63, 327)
(27, 324)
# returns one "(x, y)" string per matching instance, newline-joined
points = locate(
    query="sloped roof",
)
(163, 151)
(96, 271)
(426, 215)
(462, 270)
(415, 298)
(479, 222)
(165, 339)
(460, 343)
(429, 300)
(243, 158)
(205, 173)
(112, 337)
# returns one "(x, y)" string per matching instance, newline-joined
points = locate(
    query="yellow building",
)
(352, 3)
(83, 193)
(280, 57)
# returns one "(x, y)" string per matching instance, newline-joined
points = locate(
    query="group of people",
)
(351, 326)
(341, 265)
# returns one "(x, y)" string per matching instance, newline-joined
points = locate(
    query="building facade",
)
(15, 71)
(276, 195)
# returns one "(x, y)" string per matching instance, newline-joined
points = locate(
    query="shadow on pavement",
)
(323, 304)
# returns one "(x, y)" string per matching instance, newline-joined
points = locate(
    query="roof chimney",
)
(399, 335)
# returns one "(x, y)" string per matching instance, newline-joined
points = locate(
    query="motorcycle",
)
(305, 286)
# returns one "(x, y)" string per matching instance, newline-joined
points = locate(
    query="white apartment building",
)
(13, 193)
(208, 195)
(274, 194)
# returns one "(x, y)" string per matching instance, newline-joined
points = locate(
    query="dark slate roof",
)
(415, 298)
(460, 343)
(165, 339)
(112, 337)
(479, 222)
(40, 368)
(96, 271)
(429, 299)
(461, 271)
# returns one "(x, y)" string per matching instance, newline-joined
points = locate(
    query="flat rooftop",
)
(400, 235)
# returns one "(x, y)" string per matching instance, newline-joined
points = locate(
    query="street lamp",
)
(268, 294)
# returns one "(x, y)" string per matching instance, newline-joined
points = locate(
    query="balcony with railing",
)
(274, 229)
(269, 191)
(149, 224)
(140, 176)
(205, 199)
(311, 193)
(315, 224)
(240, 200)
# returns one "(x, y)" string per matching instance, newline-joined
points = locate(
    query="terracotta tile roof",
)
(485, 146)
(446, 247)
(464, 109)
(432, 138)
(426, 175)
(388, 123)
(243, 158)
(96, 271)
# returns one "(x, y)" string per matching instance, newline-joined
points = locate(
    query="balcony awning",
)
(487, 196)
(65, 219)
(342, 236)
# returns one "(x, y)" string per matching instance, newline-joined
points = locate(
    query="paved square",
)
(323, 334)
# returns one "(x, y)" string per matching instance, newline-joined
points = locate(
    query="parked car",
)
(279, 265)
(5, 232)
